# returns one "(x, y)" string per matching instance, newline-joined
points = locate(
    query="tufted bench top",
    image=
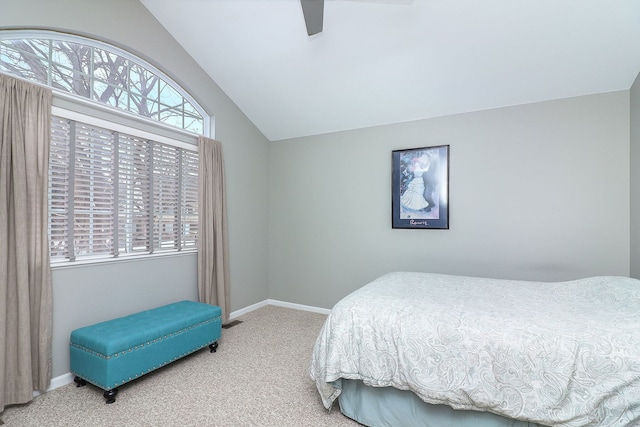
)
(116, 335)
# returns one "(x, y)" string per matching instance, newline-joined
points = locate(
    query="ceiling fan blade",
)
(313, 11)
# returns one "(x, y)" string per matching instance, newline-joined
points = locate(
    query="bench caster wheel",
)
(79, 382)
(213, 347)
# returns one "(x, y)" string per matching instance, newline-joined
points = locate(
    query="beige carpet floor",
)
(258, 377)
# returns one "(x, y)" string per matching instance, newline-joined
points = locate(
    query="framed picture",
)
(420, 188)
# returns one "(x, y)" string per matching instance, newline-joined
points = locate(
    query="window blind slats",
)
(134, 195)
(189, 202)
(59, 189)
(166, 200)
(123, 194)
(93, 192)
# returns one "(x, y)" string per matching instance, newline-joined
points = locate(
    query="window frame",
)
(135, 60)
(137, 133)
(74, 107)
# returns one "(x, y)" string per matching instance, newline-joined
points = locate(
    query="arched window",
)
(119, 187)
(101, 73)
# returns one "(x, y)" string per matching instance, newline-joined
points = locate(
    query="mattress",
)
(556, 354)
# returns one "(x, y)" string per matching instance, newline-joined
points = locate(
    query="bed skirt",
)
(390, 407)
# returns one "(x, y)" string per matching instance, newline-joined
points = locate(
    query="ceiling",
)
(387, 61)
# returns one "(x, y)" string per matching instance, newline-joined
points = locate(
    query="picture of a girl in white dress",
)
(418, 186)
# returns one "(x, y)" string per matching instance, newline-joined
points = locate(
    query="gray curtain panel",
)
(25, 273)
(213, 251)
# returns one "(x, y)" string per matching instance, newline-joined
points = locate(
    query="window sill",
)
(89, 262)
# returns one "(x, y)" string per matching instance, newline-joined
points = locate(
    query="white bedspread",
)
(559, 354)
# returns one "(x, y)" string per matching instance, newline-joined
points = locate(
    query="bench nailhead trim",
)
(141, 346)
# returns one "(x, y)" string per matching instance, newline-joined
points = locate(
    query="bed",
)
(440, 350)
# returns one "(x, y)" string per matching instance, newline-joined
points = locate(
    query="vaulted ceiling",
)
(388, 61)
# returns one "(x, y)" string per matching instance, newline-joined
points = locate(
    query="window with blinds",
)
(112, 194)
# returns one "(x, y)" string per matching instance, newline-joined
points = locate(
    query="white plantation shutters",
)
(189, 202)
(166, 197)
(134, 195)
(93, 192)
(59, 188)
(113, 194)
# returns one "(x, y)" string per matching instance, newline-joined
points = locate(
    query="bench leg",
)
(213, 347)
(79, 381)
(110, 395)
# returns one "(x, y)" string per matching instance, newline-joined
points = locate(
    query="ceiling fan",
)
(313, 11)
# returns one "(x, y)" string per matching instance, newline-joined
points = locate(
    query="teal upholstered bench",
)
(112, 353)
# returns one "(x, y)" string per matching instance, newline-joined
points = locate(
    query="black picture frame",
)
(420, 188)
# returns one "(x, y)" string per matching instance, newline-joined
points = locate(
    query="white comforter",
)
(559, 354)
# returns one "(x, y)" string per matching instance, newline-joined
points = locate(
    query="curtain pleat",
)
(25, 274)
(213, 264)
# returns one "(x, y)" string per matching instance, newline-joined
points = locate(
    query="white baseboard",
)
(61, 380)
(67, 378)
(298, 306)
(248, 309)
(278, 303)
(56, 382)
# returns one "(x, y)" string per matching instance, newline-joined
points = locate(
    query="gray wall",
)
(635, 177)
(86, 294)
(538, 191)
